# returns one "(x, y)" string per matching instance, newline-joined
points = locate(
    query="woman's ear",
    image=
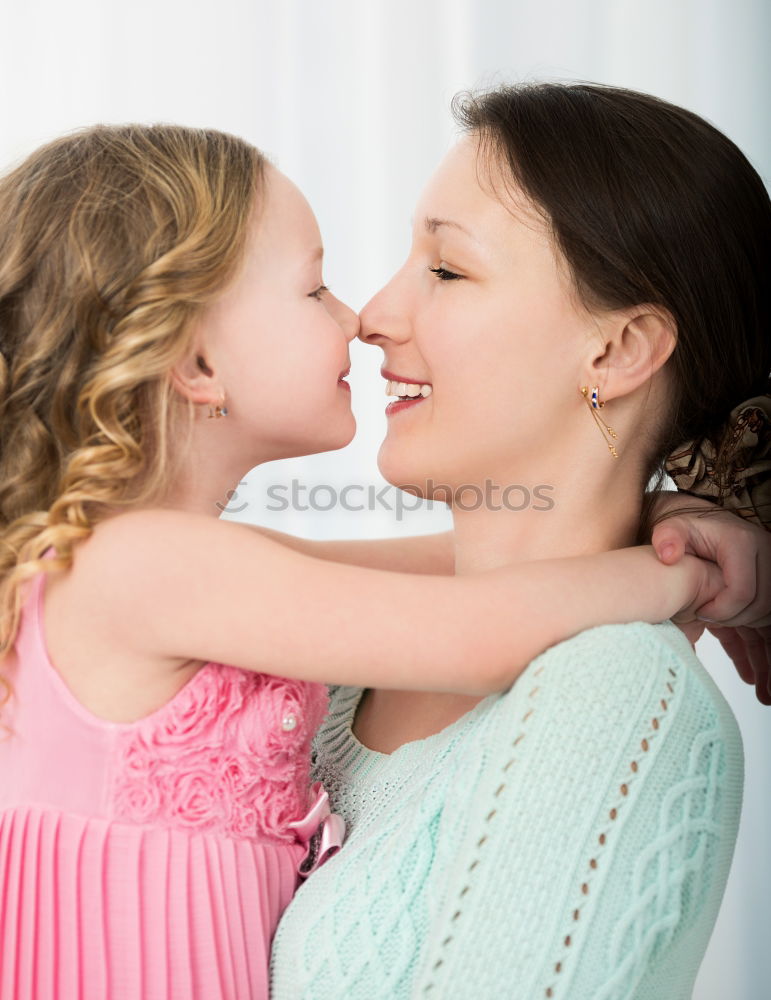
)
(636, 343)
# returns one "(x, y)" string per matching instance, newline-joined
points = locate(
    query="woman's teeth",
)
(408, 389)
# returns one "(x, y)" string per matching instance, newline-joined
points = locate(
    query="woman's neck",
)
(582, 515)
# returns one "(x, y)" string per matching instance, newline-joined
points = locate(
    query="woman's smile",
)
(409, 391)
(403, 404)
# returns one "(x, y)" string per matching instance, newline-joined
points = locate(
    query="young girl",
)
(164, 329)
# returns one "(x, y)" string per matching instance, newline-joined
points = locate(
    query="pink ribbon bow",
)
(322, 830)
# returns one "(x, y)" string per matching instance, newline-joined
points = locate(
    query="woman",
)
(571, 838)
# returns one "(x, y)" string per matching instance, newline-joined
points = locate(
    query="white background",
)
(350, 98)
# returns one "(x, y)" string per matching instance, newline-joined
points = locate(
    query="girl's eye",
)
(444, 275)
(318, 293)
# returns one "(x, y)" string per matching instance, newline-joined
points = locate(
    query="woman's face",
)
(483, 311)
(279, 340)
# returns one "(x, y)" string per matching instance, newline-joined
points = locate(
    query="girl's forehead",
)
(286, 220)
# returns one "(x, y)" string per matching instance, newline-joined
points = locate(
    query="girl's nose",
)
(345, 316)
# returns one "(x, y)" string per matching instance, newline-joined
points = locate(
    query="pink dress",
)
(152, 860)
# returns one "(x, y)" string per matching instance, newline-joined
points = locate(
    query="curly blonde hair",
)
(112, 240)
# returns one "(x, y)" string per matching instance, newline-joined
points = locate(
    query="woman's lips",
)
(404, 404)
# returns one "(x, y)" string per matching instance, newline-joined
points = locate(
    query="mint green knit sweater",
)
(570, 838)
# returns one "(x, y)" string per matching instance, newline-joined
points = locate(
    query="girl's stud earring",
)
(219, 411)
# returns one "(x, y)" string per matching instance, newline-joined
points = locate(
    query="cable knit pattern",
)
(568, 839)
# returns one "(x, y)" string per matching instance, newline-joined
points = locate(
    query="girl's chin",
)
(346, 434)
(334, 437)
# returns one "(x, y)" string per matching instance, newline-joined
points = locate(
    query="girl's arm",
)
(194, 587)
(433, 554)
(740, 615)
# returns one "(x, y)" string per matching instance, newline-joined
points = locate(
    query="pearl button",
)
(288, 723)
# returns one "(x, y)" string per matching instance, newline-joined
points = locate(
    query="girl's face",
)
(278, 339)
(483, 311)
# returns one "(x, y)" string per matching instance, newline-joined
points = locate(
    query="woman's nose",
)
(384, 317)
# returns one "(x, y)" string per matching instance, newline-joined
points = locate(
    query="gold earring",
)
(595, 405)
(219, 411)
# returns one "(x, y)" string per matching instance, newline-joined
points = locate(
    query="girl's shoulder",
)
(88, 639)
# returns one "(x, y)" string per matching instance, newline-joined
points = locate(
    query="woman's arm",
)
(191, 587)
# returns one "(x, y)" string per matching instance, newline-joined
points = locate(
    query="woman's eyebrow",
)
(432, 224)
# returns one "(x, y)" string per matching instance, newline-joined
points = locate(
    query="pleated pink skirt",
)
(92, 909)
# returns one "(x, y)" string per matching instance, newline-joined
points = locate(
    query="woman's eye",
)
(444, 275)
(319, 292)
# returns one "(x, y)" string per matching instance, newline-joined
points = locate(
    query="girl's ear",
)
(194, 379)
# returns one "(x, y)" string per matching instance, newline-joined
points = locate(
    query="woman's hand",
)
(739, 615)
(750, 650)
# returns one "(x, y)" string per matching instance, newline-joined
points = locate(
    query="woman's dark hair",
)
(648, 203)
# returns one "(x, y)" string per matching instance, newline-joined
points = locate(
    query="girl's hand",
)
(701, 581)
(739, 615)
(743, 552)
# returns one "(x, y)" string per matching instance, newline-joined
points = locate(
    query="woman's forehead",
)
(471, 192)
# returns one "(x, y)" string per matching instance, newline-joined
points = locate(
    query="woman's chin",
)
(427, 479)
(412, 476)
(392, 467)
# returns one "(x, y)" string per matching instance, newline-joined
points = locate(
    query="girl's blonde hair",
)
(112, 240)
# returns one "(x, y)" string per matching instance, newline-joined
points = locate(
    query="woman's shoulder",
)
(628, 645)
(626, 660)
(609, 680)
(616, 767)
